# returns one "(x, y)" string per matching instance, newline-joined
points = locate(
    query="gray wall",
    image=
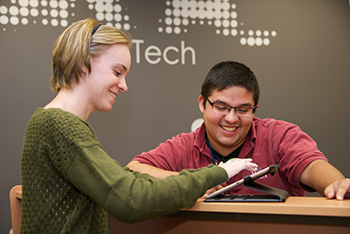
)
(303, 72)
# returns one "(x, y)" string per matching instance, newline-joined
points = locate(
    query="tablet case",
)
(273, 194)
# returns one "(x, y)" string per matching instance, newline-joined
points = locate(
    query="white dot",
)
(209, 5)
(53, 4)
(4, 19)
(168, 12)
(3, 10)
(251, 41)
(13, 10)
(225, 15)
(44, 3)
(45, 22)
(185, 13)
(63, 5)
(34, 3)
(250, 33)
(54, 13)
(160, 29)
(64, 23)
(217, 23)
(99, 7)
(24, 11)
(108, 7)
(196, 124)
(126, 17)
(118, 25)
(177, 21)
(100, 16)
(258, 41)
(176, 12)
(234, 32)
(168, 30)
(233, 6)
(177, 30)
(117, 17)
(23, 3)
(226, 23)
(24, 21)
(226, 32)
(241, 32)
(14, 20)
(63, 14)
(126, 26)
(193, 14)
(44, 12)
(234, 23)
(109, 17)
(266, 42)
(168, 21)
(54, 22)
(225, 5)
(201, 5)
(233, 15)
(185, 22)
(273, 33)
(176, 3)
(34, 12)
(117, 8)
(218, 31)
(266, 33)
(243, 41)
(258, 33)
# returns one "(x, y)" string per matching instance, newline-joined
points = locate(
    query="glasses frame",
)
(253, 108)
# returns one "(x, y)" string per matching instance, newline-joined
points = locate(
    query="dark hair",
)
(229, 73)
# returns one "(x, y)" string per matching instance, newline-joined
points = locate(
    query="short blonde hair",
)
(74, 47)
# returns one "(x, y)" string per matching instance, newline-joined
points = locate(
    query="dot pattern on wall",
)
(110, 12)
(47, 12)
(221, 14)
(57, 12)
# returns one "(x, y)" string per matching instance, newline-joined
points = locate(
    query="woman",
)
(70, 184)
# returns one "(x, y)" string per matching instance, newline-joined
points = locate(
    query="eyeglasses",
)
(223, 109)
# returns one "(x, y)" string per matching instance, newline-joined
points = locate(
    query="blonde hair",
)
(74, 47)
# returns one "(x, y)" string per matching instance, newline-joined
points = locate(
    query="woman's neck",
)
(70, 100)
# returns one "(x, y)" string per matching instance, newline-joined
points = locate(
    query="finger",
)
(343, 189)
(329, 191)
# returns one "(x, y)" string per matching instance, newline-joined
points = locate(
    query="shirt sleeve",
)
(169, 155)
(296, 150)
(132, 196)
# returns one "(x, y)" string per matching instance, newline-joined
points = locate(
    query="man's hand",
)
(339, 189)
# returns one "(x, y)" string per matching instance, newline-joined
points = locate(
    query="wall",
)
(299, 51)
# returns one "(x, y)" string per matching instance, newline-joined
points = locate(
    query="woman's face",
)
(107, 77)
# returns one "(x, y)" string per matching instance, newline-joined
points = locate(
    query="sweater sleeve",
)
(132, 196)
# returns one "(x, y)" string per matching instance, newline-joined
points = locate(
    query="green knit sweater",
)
(71, 185)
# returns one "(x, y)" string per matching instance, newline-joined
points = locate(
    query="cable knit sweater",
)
(70, 184)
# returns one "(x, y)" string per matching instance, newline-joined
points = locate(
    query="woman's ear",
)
(84, 70)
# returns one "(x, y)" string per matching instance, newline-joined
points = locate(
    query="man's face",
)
(226, 132)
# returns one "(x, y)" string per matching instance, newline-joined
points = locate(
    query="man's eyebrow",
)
(224, 103)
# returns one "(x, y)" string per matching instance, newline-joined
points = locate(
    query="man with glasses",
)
(228, 101)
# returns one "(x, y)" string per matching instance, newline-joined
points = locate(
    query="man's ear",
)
(201, 101)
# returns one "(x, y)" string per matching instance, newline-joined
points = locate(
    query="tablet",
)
(268, 170)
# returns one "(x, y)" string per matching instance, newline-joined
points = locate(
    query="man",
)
(228, 101)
